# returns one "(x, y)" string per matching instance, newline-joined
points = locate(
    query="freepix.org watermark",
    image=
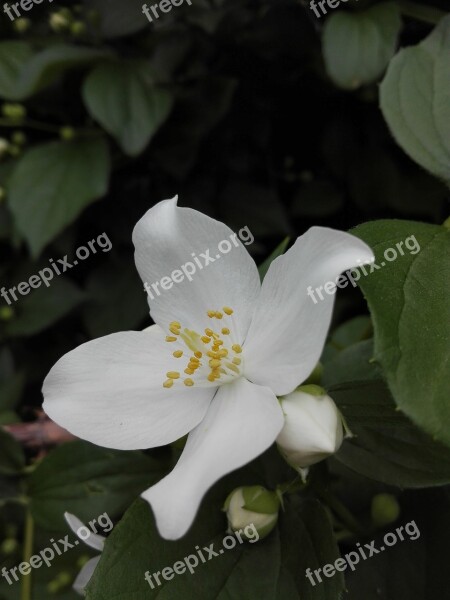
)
(188, 270)
(192, 561)
(47, 555)
(352, 558)
(354, 275)
(59, 267)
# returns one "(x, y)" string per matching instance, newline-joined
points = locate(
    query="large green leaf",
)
(357, 46)
(273, 569)
(123, 99)
(88, 480)
(415, 100)
(387, 446)
(53, 183)
(408, 300)
(29, 72)
(13, 56)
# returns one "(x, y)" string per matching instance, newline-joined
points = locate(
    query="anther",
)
(178, 353)
(168, 383)
(173, 374)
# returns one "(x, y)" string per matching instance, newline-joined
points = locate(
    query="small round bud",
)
(6, 313)
(67, 133)
(19, 138)
(14, 150)
(9, 546)
(4, 147)
(64, 578)
(313, 427)
(21, 24)
(252, 510)
(13, 110)
(385, 509)
(77, 28)
(60, 21)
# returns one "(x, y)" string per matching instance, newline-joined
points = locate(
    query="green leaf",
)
(12, 458)
(88, 480)
(387, 446)
(38, 70)
(13, 56)
(53, 183)
(415, 101)
(11, 390)
(118, 19)
(273, 569)
(357, 46)
(408, 300)
(351, 364)
(123, 99)
(279, 250)
(43, 307)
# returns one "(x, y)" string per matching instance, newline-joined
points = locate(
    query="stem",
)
(340, 510)
(25, 592)
(428, 14)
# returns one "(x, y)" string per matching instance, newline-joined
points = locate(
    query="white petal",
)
(109, 391)
(84, 576)
(288, 330)
(169, 237)
(93, 540)
(243, 420)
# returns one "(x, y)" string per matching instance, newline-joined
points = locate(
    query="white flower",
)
(241, 342)
(313, 427)
(252, 506)
(94, 541)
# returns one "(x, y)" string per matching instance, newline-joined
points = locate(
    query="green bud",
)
(4, 147)
(53, 587)
(77, 28)
(6, 313)
(67, 133)
(312, 390)
(21, 25)
(385, 509)
(13, 110)
(19, 138)
(10, 545)
(60, 21)
(14, 150)
(64, 578)
(252, 508)
(84, 558)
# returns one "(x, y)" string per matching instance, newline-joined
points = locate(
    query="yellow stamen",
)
(178, 353)
(225, 331)
(223, 352)
(175, 324)
(189, 382)
(236, 348)
(209, 332)
(227, 310)
(194, 359)
(198, 354)
(211, 313)
(233, 367)
(189, 371)
(168, 383)
(218, 315)
(211, 377)
(205, 339)
(237, 361)
(173, 374)
(213, 363)
(174, 330)
(170, 338)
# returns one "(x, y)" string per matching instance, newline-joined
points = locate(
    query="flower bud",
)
(21, 24)
(252, 508)
(313, 427)
(385, 509)
(59, 21)
(14, 110)
(9, 546)
(67, 133)
(4, 147)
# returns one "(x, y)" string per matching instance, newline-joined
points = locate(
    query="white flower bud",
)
(313, 428)
(253, 511)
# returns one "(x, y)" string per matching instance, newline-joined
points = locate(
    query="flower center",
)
(212, 356)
